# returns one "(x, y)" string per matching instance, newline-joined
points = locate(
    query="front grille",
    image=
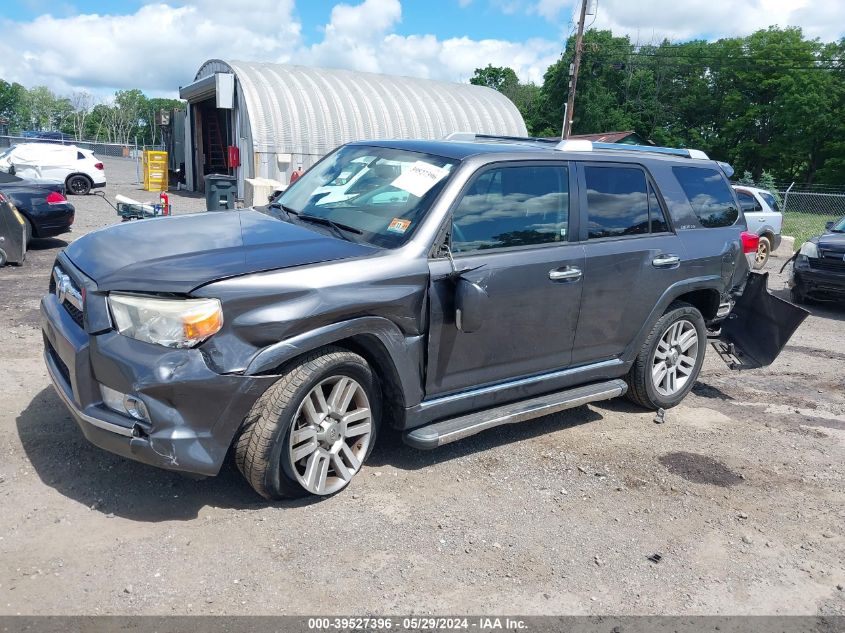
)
(829, 261)
(70, 286)
(75, 313)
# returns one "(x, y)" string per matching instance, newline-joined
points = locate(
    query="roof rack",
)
(578, 145)
(471, 137)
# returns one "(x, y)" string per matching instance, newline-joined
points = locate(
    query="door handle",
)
(568, 273)
(666, 261)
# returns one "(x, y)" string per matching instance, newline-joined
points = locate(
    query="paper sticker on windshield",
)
(398, 225)
(419, 178)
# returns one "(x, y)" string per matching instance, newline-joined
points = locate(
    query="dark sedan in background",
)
(42, 204)
(819, 268)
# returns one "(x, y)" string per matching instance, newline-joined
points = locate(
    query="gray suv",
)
(457, 286)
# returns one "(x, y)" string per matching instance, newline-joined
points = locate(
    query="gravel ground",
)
(740, 492)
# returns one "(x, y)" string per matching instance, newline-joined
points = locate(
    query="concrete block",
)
(257, 190)
(786, 248)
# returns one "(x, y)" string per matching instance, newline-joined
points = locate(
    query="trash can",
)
(220, 192)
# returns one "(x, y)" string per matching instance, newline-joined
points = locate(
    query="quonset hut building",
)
(255, 119)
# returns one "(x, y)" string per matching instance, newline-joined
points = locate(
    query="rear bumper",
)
(97, 185)
(194, 412)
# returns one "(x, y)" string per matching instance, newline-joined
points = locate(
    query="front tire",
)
(78, 185)
(764, 250)
(313, 429)
(670, 360)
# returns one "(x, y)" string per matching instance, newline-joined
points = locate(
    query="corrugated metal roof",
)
(304, 110)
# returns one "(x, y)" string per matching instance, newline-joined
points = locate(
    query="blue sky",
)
(103, 45)
(478, 20)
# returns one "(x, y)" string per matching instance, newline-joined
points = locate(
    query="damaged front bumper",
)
(193, 412)
(759, 326)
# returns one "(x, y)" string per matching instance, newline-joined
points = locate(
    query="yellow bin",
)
(155, 170)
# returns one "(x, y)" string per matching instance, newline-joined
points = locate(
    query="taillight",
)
(99, 166)
(2, 198)
(750, 242)
(56, 198)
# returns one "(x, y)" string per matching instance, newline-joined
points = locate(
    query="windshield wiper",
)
(288, 211)
(339, 229)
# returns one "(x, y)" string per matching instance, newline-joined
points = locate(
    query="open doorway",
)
(213, 135)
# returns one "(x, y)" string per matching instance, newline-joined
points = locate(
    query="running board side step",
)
(446, 431)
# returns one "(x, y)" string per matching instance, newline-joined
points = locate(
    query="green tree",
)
(525, 96)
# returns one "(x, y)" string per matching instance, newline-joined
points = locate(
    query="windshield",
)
(381, 194)
(839, 227)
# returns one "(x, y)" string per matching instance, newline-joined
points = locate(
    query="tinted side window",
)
(617, 201)
(80, 156)
(771, 201)
(709, 195)
(748, 202)
(513, 206)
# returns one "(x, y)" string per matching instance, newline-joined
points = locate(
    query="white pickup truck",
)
(763, 216)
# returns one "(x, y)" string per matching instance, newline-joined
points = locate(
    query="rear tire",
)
(78, 185)
(313, 428)
(670, 360)
(3, 259)
(764, 250)
(28, 228)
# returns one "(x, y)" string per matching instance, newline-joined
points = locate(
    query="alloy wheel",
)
(762, 253)
(331, 434)
(675, 357)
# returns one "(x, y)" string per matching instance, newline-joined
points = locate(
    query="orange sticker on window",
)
(398, 225)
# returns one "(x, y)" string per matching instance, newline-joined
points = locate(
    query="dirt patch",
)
(700, 469)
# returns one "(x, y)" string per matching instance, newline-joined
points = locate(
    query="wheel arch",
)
(703, 293)
(78, 173)
(394, 356)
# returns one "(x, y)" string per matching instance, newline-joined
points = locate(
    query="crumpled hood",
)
(832, 242)
(180, 253)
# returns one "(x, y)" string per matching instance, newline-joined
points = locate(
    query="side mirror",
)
(828, 226)
(470, 306)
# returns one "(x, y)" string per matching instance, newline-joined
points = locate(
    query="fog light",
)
(124, 403)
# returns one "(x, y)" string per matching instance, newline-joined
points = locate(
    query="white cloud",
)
(361, 38)
(157, 48)
(652, 20)
(161, 46)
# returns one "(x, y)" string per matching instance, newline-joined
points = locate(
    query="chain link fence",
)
(806, 208)
(113, 150)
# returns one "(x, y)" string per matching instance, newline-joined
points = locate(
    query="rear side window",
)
(617, 202)
(80, 156)
(709, 195)
(771, 201)
(513, 206)
(748, 202)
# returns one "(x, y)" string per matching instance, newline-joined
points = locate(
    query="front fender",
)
(403, 352)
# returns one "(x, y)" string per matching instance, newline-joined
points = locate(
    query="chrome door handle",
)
(666, 261)
(565, 274)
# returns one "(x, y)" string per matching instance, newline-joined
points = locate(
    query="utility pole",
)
(573, 79)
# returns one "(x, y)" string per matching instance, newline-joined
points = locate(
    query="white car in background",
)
(78, 168)
(763, 216)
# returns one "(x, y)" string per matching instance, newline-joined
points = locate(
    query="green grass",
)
(802, 225)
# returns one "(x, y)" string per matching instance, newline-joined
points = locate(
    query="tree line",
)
(772, 101)
(129, 117)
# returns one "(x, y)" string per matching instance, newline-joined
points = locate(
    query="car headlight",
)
(168, 322)
(809, 249)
